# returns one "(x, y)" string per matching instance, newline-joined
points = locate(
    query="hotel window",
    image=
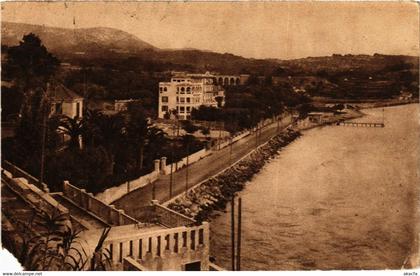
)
(177, 90)
(177, 99)
(182, 100)
(182, 109)
(182, 90)
(188, 90)
(164, 108)
(165, 89)
(188, 100)
(188, 109)
(164, 99)
(160, 89)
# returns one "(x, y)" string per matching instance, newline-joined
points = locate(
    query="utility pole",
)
(232, 223)
(171, 176)
(220, 135)
(238, 248)
(128, 181)
(153, 190)
(45, 109)
(44, 136)
(256, 135)
(186, 171)
(230, 152)
(172, 163)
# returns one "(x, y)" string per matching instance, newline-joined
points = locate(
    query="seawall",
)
(213, 194)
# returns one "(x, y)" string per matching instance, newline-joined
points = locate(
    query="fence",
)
(88, 202)
(165, 243)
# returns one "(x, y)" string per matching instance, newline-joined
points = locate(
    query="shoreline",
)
(201, 201)
(214, 193)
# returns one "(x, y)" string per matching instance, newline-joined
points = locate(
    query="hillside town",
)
(117, 155)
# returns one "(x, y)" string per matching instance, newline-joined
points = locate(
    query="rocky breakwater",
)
(216, 192)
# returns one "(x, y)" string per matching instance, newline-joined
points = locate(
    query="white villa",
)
(187, 91)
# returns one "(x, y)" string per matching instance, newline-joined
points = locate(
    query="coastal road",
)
(198, 171)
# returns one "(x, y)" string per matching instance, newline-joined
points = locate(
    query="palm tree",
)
(110, 132)
(155, 139)
(73, 128)
(92, 133)
(137, 132)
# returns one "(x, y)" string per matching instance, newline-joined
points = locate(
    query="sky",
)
(284, 30)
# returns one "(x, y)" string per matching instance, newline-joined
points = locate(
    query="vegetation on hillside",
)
(100, 151)
(94, 158)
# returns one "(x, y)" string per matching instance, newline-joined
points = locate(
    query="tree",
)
(92, 122)
(189, 127)
(29, 63)
(110, 129)
(137, 131)
(73, 128)
(31, 67)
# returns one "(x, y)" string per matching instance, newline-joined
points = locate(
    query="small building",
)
(64, 101)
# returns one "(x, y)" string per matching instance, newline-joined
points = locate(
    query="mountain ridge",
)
(63, 40)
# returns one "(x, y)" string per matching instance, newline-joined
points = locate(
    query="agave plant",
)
(51, 245)
(101, 259)
(46, 241)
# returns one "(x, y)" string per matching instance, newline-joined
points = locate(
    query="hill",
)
(85, 41)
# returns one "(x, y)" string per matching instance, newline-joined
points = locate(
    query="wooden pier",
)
(361, 124)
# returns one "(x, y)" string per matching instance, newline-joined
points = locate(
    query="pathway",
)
(197, 172)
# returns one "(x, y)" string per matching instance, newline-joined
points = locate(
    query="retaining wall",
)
(112, 194)
(87, 201)
(192, 158)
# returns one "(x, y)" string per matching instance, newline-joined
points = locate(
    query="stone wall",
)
(87, 201)
(156, 213)
(112, 194)
(170, 218)
(192, 158)
(226, 142)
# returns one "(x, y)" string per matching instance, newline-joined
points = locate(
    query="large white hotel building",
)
(187, 91)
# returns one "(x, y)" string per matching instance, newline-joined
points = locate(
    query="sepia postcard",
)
(210, 136)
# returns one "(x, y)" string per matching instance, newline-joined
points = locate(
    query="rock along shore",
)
(216, 192)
